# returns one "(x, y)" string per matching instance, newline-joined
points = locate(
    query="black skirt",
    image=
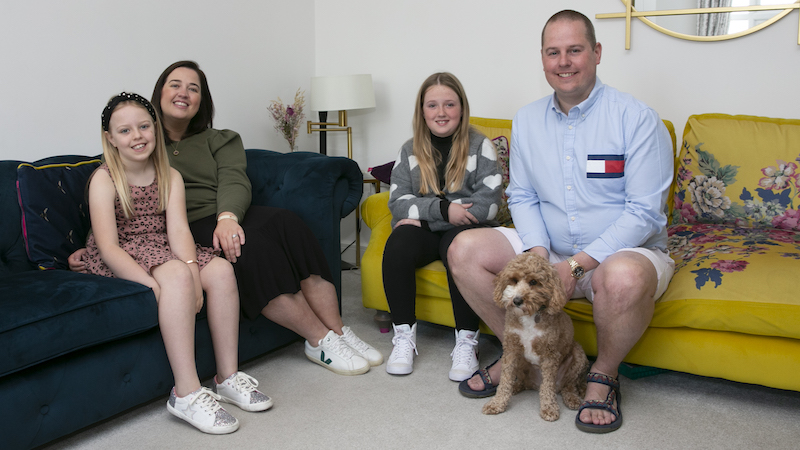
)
(279, 252)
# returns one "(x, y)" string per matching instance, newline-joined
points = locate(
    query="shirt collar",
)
(585, 106)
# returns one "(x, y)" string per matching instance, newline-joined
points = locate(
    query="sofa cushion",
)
(55, 216)
(738, 170)
(499, 131)
(51, 313)
(502, 146)
(730, 278)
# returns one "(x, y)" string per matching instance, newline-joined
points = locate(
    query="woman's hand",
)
(75, 262)
(229, 236)
(414, 222)
(458, 214)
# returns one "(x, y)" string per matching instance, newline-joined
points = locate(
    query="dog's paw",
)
(571, 400)
(549, 413)
(493, 407)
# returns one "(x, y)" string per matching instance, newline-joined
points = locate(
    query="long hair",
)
(117, 169)
(423, 149)
(204, 119)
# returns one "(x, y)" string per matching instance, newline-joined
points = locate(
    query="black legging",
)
(408, 248)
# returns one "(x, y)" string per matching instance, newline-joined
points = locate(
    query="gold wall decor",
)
(649, 14)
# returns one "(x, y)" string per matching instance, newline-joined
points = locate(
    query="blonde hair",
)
(117, 169)
(423, 149)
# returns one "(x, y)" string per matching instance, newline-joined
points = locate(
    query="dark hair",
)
(573, 16)
(205, 114)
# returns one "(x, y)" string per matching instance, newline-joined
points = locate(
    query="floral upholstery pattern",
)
(503, 215)
(736, 195)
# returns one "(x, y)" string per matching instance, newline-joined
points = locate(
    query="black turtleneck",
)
(443, 146)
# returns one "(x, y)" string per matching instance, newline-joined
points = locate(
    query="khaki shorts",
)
(664, 265)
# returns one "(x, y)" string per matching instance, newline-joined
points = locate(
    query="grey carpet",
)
(315, 408)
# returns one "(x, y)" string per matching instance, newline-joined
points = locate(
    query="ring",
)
(235, 236)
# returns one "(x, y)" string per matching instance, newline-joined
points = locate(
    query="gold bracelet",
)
(228, 216)
(191, 261)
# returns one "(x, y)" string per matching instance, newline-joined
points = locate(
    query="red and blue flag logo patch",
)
(605, 166)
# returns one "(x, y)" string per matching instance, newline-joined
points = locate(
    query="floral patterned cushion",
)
(732, 278)
(503, 214)
(734, 231)
(738, 170)
(499, 131)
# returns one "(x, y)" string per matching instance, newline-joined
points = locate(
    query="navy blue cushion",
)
(55, 217)
(50, 313)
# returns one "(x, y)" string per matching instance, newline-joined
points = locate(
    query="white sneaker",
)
(240, 390)
(361, 348)
(401, 361)
(200, 408)
(334, 354)
(465, 358)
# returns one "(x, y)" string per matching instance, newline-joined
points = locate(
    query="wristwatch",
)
(577, 270)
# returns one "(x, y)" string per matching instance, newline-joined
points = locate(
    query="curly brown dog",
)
(538, 348)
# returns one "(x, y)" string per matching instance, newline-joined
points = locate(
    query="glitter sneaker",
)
(240, 390)
(334, 354)
(401, 361)
(465, 358)
(200, 408)
(361, 348)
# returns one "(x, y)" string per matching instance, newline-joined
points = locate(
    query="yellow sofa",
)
(732, 309)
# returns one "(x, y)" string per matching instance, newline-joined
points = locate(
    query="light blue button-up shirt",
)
(595, 180)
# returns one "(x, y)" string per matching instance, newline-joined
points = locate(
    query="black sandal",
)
(489, 389)
(607, 405)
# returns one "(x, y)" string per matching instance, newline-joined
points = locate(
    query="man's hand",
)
(565, 274)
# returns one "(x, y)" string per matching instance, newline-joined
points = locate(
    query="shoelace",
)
(206, 399)
(403, 344)
(464, 350)
(243, 382)
(354, 342)
(339, 347)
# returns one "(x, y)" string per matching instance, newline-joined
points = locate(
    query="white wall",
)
(493, 47)
(61, 60)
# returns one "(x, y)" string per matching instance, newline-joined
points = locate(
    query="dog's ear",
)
(553, 283)
(500, 283)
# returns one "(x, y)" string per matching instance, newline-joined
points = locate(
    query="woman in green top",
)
(280, 267)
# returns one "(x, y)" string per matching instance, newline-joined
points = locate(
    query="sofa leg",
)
(384, 320)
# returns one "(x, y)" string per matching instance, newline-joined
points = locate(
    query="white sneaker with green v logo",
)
(334, 354)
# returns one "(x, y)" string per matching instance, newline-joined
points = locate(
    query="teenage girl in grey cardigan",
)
(445, 180)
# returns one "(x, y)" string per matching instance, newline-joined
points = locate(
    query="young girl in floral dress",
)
(140, 233)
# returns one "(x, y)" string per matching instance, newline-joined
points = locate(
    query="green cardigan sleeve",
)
(233, 186)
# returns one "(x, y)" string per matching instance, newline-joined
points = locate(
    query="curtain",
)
(712, 24)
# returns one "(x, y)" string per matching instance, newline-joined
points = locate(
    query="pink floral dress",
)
(143, 236)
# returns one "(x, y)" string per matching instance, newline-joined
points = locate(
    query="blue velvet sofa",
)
(76, 349)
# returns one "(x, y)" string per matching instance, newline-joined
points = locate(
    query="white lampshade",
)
(342, 93)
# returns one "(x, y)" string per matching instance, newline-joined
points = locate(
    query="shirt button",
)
(583, 116)
(569, 188)
(574, 245)
(572, 218)
(569, 158)
(570, 127)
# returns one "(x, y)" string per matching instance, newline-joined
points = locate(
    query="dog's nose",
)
(517, 301)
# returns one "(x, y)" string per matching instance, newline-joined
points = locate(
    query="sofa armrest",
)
(320, 189)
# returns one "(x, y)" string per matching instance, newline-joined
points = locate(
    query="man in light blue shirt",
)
(590, 169)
